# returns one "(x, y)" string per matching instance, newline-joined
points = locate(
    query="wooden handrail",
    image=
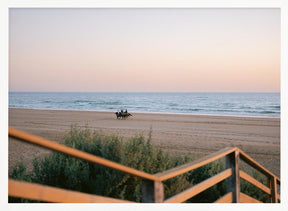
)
(227, 198)
(51, 194)
(36, 140)
(273, 184)
(154, 187)
(189, 193)
(255, 182)
(256, 165)
(194, 164)
(248, 199)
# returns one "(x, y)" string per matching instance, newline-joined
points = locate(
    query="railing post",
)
(152, 191)
(233, 182)
(273, 186)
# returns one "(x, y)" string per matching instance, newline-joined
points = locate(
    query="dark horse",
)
(122, 115)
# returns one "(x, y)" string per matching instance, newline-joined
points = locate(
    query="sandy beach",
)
(198, 135)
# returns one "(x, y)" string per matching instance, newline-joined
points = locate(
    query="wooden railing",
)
(152, 185)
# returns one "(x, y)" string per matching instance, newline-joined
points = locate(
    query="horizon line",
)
(145, 91)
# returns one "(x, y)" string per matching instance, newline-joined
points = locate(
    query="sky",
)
(144, 50)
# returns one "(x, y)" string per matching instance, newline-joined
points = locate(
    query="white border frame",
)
(282, 4)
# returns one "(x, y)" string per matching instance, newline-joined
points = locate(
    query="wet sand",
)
(197, 135)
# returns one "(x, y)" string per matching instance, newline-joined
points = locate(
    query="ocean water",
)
(235, 104)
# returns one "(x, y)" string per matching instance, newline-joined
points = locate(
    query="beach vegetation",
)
(58, 170)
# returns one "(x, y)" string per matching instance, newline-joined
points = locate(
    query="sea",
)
(230, 104)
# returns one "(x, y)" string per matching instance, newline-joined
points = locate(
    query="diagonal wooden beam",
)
(248, 199)
(21, 135)
(45, 193)
(193, 191)
(255, 182)
(227, 198)
(195, 164)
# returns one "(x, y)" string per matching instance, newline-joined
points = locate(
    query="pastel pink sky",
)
(193, 50)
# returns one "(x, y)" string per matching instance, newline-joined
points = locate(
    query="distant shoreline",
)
(164, 113)
(219, 104)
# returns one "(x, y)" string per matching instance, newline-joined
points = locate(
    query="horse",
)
(122, 115)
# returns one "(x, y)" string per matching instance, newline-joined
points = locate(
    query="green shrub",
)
(213, 193)
(19, 172)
